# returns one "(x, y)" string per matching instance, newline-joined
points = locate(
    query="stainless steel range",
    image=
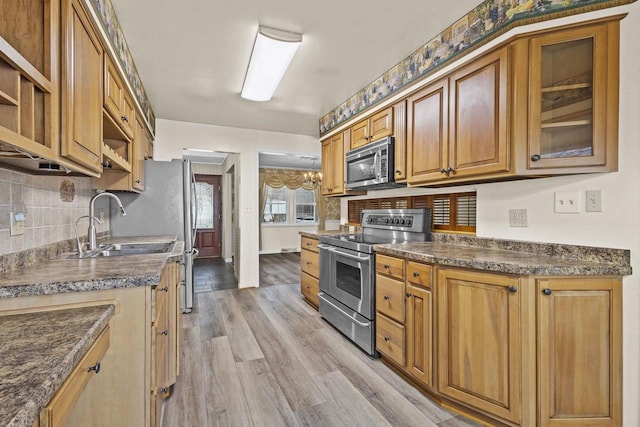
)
(347, 269)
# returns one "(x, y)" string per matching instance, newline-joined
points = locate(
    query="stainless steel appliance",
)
(166, 207)
(371, 166)
(347, 269)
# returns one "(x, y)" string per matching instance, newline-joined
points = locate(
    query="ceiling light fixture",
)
(272, 53)
(313, 177)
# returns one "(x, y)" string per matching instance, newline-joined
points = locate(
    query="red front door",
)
(209, 232)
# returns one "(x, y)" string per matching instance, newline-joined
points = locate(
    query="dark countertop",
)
(316, 234)
(522, 258)
(67, 273)
(38, 352)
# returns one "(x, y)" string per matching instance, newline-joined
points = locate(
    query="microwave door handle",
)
(377, 161)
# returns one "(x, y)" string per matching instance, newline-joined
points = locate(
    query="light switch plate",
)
(567, 202)
(593, 201)
(17, 223)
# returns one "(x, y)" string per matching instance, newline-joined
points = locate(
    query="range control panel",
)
(409, 220)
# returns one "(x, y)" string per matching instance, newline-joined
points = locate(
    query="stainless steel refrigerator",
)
(166, 207)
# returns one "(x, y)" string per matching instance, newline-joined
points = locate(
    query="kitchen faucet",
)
(92, 228)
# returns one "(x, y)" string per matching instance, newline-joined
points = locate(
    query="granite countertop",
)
(513, 257)
(38, 352)
(67, 273)
(316, 234)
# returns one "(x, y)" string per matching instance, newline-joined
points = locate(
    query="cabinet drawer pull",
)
(386, 338)
(165, 333)
(95, 368)
(165, 289)
(513, 289)
(387, 297)
(443, 170)
(125, 119)
(416, 274)
(450, 169)
(546, 291)
(385, 266)
(535, 157)
(408, 295)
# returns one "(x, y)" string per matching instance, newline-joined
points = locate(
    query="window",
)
(286, 206)
(305, 205)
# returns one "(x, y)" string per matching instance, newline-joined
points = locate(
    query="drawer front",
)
(309, 244)
(309, 287)
(390, 266)
(62, 403)
(390, 297)
(309, 263)
(390, 339)
(419, 274)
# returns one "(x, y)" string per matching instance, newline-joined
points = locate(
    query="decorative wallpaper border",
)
(109, 21)
(485, 22)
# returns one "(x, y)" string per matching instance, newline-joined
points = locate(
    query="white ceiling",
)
(192, 55)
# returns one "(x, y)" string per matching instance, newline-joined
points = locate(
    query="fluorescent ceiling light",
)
(272, 53)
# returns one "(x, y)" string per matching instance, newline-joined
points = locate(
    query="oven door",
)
(348, 277)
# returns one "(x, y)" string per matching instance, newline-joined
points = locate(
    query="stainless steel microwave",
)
(371, 166)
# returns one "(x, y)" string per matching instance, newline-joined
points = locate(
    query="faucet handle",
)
(78, 243)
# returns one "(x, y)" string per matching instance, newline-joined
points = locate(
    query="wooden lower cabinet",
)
(505, 349)
(309, 270)
(123, 392)
(61, 405)
(419, 306)
(479, 341)
(580, 360)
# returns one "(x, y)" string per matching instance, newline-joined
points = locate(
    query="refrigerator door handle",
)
(194, 226)
(195, 252)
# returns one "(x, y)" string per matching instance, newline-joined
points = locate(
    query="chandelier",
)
(313, 177)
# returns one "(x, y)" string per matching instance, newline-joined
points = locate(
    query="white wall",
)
(278, 237)
(173, 136)
(617, 226)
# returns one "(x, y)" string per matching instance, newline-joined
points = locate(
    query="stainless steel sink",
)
(123, 249)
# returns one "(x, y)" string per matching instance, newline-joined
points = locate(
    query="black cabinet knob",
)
(386, 297)
(450, 169)
(165, 333)
(513, 289)
(416, 274)
(95, 368)
(165, 289)
(443, 170)
(546, 291)
(125, 119)
(535, 157)
(387, 338)
(408, 295)
(386, 266)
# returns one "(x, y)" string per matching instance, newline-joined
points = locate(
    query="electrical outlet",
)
(594, 201)
(567, 202)
(517, 218)
(17, 223)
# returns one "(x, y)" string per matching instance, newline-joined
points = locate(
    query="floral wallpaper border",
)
(483, 23)
(109, 21)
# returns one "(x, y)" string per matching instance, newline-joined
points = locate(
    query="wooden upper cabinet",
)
(478, 117)
(400, 143)
(479, 348)
(117, 101)
(333, 165)
(372, 128)
(573, 99)
(81, 88)
(427, 133)
(140, 144)
(580, 360)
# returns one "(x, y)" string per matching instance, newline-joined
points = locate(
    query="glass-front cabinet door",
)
(573, 84)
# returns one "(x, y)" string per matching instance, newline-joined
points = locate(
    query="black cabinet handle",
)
(386, 338)
(535, 157)
(165, 289)
(165, 333)
(416, 274)
(408, 295)
(125, 119)
(95, 368)
(443, 170)
(513, 289)
(386, 297)
(450, 169)
(546, 291)
(386, 266)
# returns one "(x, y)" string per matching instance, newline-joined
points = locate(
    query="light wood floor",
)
(263, 357)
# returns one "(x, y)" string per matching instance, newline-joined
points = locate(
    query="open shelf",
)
(116, 160)
(559, 88)
(565, 124)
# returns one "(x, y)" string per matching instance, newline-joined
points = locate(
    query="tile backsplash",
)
(52, 205)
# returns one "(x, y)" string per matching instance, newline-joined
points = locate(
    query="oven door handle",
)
(347, 255)
(345, 313)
